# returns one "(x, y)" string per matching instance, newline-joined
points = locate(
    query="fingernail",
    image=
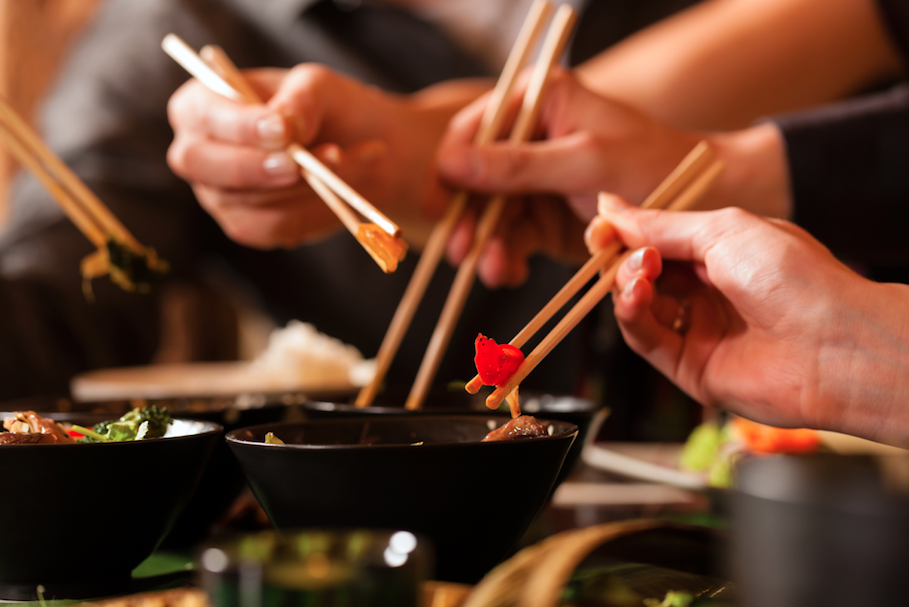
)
(629, 288)
(272, 131)
(280, 165)
(636, 260)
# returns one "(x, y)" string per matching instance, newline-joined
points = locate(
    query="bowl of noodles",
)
(78, 518)
(431, 475)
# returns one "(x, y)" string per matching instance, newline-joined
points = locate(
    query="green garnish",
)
(673, 599)
(701, 447)
(271, 439)
(138, 424)
(134, 271)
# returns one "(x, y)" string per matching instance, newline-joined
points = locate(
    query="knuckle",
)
(176, 157)
(179, 104)
(310, 74)
(588, 144)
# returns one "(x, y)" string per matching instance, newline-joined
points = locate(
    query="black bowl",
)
(222, 481)
(78, 518)
(426, 474)
(570, 409)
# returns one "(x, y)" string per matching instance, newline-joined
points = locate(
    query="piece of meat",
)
(29, 423)
(525, 426)
(11, 438)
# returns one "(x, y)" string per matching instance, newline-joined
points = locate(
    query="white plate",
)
(654, 462)
(192, 380)
(659, 462)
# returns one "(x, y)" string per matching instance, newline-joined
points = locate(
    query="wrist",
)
(864, 371)
(756, 174)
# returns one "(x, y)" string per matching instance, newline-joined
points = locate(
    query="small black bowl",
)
(78, 518)
(222, 481)
(427, 474)
(570, 409)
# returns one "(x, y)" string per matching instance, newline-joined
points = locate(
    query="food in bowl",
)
(524, 426)
(27, 427)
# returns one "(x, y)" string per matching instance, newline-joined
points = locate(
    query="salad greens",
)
(140, 423)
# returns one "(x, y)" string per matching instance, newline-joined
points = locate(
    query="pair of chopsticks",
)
(81, 205)
(380, 236)
(490, 125)
(679, 191)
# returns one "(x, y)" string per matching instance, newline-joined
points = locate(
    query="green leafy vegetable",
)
(701, 447)
(134, 271)
(146, 422)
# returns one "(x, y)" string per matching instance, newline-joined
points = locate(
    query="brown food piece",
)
(41, 430)
(385, 249)
(525, 426)
(12, 438)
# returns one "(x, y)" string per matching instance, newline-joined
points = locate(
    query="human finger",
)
(195, 109)
(282, 218)
(226, 165)
(461, 238)
(642, 330)
(686, 236)
(565, 165)
(325, 106)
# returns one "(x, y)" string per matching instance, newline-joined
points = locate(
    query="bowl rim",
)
(571, 431)
(585, 406)
(208, 428)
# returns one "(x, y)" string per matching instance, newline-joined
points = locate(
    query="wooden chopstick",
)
(80, 204)
(375, 245)
(195, 65)
(684, 201)
(553, 45)
(680, 177)
(490, 125)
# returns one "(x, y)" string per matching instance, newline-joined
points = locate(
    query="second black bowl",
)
(426, 474)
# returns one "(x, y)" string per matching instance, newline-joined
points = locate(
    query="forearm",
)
(724, 63)
(864, 365)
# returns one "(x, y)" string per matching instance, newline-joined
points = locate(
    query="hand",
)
(757, 317)
(583, 137)
(591, 144)
(233, 154)
(588, 145)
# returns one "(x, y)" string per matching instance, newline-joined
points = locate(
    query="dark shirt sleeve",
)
(895, 15)
(849, 171)
(849, 166)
